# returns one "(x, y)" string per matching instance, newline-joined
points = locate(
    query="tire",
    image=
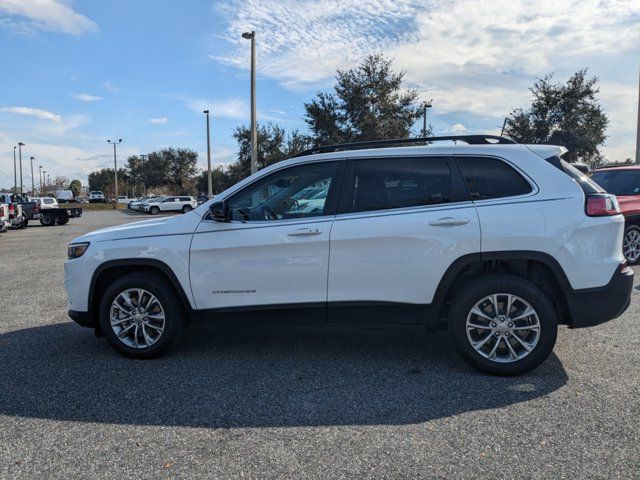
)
(174, 317)
(631, 244)
(24, 224)
(154, 210)
(186, 209)
(63, 220)
(506, 361)
(47, 220)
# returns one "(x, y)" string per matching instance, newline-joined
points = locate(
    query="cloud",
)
(159, 120)
(50, 15)
(85, 97)
(234, 108)
(33, 112)
(110, 86)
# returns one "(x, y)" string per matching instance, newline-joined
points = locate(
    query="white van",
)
(64, 196)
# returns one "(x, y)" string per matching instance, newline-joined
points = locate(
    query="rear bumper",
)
(593, 306)
(81, 318)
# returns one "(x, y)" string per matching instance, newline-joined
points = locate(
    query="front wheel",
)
(46, 219)
(631, 244)
(186, 209)
(154, 211)
(140, 316)
(503, 325)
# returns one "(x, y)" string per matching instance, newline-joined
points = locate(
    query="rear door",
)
(402, 222)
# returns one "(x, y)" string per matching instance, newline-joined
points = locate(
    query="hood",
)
(179, 224)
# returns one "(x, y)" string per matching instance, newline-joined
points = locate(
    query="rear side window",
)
(385, 183)
(491, 178)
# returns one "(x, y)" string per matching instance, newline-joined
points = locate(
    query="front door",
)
(402, 223)
(275, 250)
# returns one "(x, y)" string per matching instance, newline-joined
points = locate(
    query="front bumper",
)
(593, 306)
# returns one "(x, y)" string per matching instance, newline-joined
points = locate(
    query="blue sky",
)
(76, 73)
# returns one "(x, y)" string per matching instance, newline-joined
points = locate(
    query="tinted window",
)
(618, 182)
(185, 199)
(491, 178)
(286, 194)
(381, 184)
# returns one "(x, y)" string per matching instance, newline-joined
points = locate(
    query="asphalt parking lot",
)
(295, 403)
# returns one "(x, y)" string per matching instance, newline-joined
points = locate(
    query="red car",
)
(624, 183)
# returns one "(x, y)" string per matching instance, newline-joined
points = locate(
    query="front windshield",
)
(618, 182)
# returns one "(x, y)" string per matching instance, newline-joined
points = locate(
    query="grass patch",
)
(87, 207)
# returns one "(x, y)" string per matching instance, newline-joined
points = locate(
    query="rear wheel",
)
(140, 316)
(186, 209)
(503, 325)
(63, 220)
(631, 245)
(47, 219)
(154, 210)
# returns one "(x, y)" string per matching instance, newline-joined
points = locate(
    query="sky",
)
(76, 73)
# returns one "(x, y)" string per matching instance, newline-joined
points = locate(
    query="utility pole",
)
(638, 127)
(33, 184)
(209, 181)
(15, 172)
(424, 118)
(254, 134)
(20, 145)
(144, 187)
(40, 168)
(115, 165)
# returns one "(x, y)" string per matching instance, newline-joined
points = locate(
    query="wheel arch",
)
(112, 269)
(539, 268)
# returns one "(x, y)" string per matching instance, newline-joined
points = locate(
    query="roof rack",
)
(469, 139)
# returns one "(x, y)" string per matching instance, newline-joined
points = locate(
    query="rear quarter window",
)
(488, 178)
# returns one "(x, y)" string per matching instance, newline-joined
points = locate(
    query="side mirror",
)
(220, 212)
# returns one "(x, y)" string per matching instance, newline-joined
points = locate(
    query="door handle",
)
(449, 222)
(304, 232)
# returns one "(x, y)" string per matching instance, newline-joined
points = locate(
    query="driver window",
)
(296, 192)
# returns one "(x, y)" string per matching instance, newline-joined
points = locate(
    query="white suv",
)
(501, 242)
(170, 204)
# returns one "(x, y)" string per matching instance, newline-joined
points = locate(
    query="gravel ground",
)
(295, 403)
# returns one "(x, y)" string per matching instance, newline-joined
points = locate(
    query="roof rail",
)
(470, 139)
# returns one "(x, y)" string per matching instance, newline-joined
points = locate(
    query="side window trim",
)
(534, 186)
(459, 192)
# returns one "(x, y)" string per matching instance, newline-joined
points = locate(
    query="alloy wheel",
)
(631, 245)
(503, 328)
(137, 318)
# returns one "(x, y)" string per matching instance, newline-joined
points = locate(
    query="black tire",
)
(47, 219)
(186, 209)
(474, 292)
(154, 210)
(175, 317)
(632, 256)
(63, 220)
(24, 224)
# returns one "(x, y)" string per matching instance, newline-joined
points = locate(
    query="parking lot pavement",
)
(295, 403)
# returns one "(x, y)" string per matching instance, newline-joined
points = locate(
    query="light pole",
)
(15, 172)
(40, 177)
(254, 134)
(209, 185)
(638, 128)
(20, 145)
(115, 165)
(144, 187)
(424, 118)
(33, 184)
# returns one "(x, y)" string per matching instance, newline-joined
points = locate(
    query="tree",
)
(76, 187)
(563, 114)
(274, 145)
(103, 180)
(219, 181)
(59, 183)
(369, 102)
(170, 170)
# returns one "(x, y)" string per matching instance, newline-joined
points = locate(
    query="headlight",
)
(76, 250)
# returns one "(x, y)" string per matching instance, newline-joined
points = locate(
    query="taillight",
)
(12, 209)
(2, 214)
(36, 209)
(602, 204)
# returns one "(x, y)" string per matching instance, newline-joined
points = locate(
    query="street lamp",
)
(15, 172)
(424, 118)
(144, 187)
(254, 134)
(33, 185)
(20, 145)
(115, 164)
(40, 177)
(209, 185)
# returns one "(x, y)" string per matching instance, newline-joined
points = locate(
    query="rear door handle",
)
(449, 222)
(304, 232)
